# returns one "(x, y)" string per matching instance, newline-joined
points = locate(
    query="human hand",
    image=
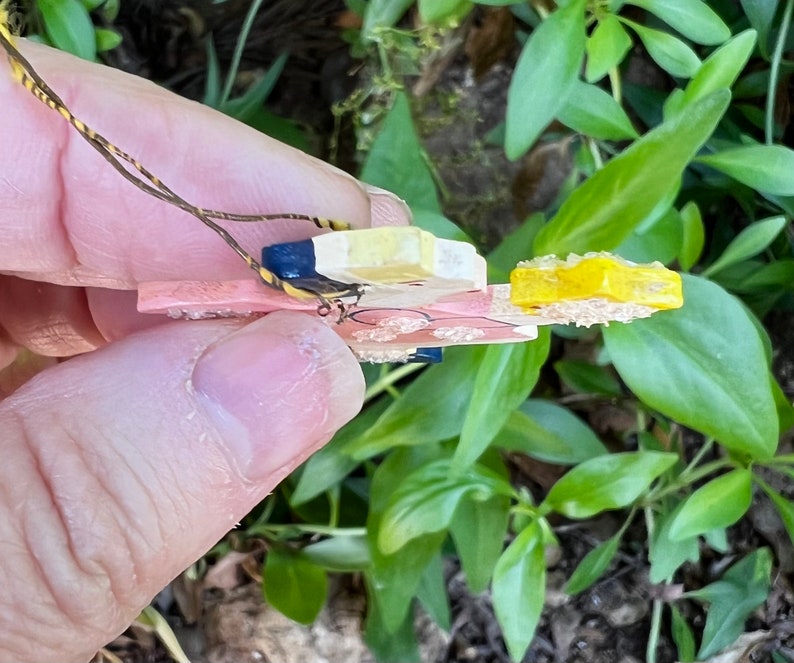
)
(122, 466)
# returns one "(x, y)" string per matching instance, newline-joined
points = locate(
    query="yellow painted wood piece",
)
(397, 254)
(548, 280)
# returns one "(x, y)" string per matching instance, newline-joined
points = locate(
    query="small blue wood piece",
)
(294, 262)
(426, 356)
(291, 260)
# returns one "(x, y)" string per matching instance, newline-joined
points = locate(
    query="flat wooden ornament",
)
(424, 292)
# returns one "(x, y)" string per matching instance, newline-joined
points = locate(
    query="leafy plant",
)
(249, 107)
(693, 175)
(429, 447)
(67, 24)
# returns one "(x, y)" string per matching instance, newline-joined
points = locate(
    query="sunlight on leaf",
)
(549, 432)
(519, 587)
(702, 365)
(606, 482)
(718, 503)
(693, 19)
(505, 376)
(602, 212)
(544, 77)
(763, 167)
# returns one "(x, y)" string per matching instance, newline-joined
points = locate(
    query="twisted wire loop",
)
(344, 310)
(149, 183)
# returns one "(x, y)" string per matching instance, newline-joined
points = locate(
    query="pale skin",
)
(124, 464)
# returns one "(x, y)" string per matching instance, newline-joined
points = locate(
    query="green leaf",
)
(667, 555)
(431, 408)
(646, 102)
(587, 378)
(444, 11)
(702, 365)
(160, 627)
(549, 432)
(389, 643)
(720, 69)
(766, 277)
(212, 88)
(752, 84)
(693, 19)
(669, 52)
(606, 482)
(397, 577)
(432, 593)
(394, 579)
(785, 408)
(516, 246)
(544, 76)
(784, 507)
(39, 39)
(342, 554)
(735, 278)
(382, 14)
(396, 161)
(761, 14)
(69, 27)
(245, 106)
(280, 128)
(682, 636)
(504, 379)
(717, 539)
(751, 241)
(518, 589)
(426, 501)
(294, 586)
(606, 47)
(479, 531)
(439, 225)
(602, 212)
(655, 239)
(328, 466)
(110, 10)
(766, 168)
(719, 503)
(743, 588)
(694, 236)
(106, 40)
(593, 565)
(592, 112)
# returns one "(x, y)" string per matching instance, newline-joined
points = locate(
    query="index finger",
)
(67, 217)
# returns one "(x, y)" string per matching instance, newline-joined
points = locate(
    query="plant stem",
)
(593, 147)
(306, 529)
(653, 636)
(691, 477)
(695, 474)
(699, 456)
(238, 50)
(656, 612)
(614, 81)
(785, 459)
(774, 69)
(382, 384)
(334, 503)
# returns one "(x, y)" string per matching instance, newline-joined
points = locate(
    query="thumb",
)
(123, 466)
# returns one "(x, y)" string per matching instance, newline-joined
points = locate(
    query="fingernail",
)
(277, 389)
(387, 209)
